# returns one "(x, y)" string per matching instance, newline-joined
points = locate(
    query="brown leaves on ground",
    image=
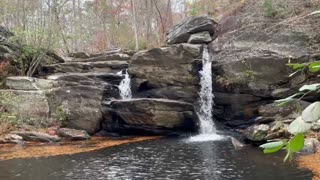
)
(9, 151)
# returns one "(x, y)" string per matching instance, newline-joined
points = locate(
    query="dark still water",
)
(163, 159)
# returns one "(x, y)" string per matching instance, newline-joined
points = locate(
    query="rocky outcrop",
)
(167, 72)
(149, 116)
(249, 60)
(181, 32)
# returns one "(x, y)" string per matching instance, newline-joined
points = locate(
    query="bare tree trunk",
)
(162, 29)
(135, 26)
(148, 19)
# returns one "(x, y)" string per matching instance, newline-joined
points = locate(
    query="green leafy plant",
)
(313, 67)
(62, 112)
(303, 123)
(269, 8)
(293, 145)
(248, 72)
(8, 118)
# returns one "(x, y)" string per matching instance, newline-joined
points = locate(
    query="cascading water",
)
(125, 86)
(207, 126)
(206, 97)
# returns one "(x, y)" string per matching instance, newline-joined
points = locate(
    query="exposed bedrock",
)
(167, 72)
(149, 116)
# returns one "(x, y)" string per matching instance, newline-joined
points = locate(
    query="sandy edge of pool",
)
(35, 150)
(311, 162)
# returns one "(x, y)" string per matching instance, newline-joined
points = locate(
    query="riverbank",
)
(311, 162)
(35, 150)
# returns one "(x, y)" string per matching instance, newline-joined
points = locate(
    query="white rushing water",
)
(125, 86)
(207, 126)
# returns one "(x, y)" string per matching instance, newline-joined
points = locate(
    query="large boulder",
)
(149, 116)
(78, 107)
(29, 107)
(158, 70)
(181, 32)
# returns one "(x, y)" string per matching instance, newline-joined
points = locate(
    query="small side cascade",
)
(125, 86)
(207, 126)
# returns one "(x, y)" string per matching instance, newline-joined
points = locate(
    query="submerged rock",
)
(181, 32)
(73, 134)
(149, 116)
(237, 144)
(257, 132)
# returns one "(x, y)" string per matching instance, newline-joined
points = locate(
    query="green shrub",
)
(62, 112)
(7, 114)
(269, 8)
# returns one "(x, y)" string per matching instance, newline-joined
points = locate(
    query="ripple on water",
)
(163, 159)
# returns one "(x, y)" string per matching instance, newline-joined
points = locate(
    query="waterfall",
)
(207, 126)
(206, 96)
(125, 86)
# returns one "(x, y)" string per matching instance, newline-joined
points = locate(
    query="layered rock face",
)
(167, 72)
(149, 116)
(249, 62)
(250, 71)
(73, 98)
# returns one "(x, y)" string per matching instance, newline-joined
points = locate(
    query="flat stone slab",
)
(29, 83)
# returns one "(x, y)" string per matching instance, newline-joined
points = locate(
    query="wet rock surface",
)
(257, 132)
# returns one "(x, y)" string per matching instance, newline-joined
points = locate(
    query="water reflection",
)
(166, 159)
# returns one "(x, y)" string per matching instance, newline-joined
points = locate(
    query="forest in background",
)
(96, 25)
